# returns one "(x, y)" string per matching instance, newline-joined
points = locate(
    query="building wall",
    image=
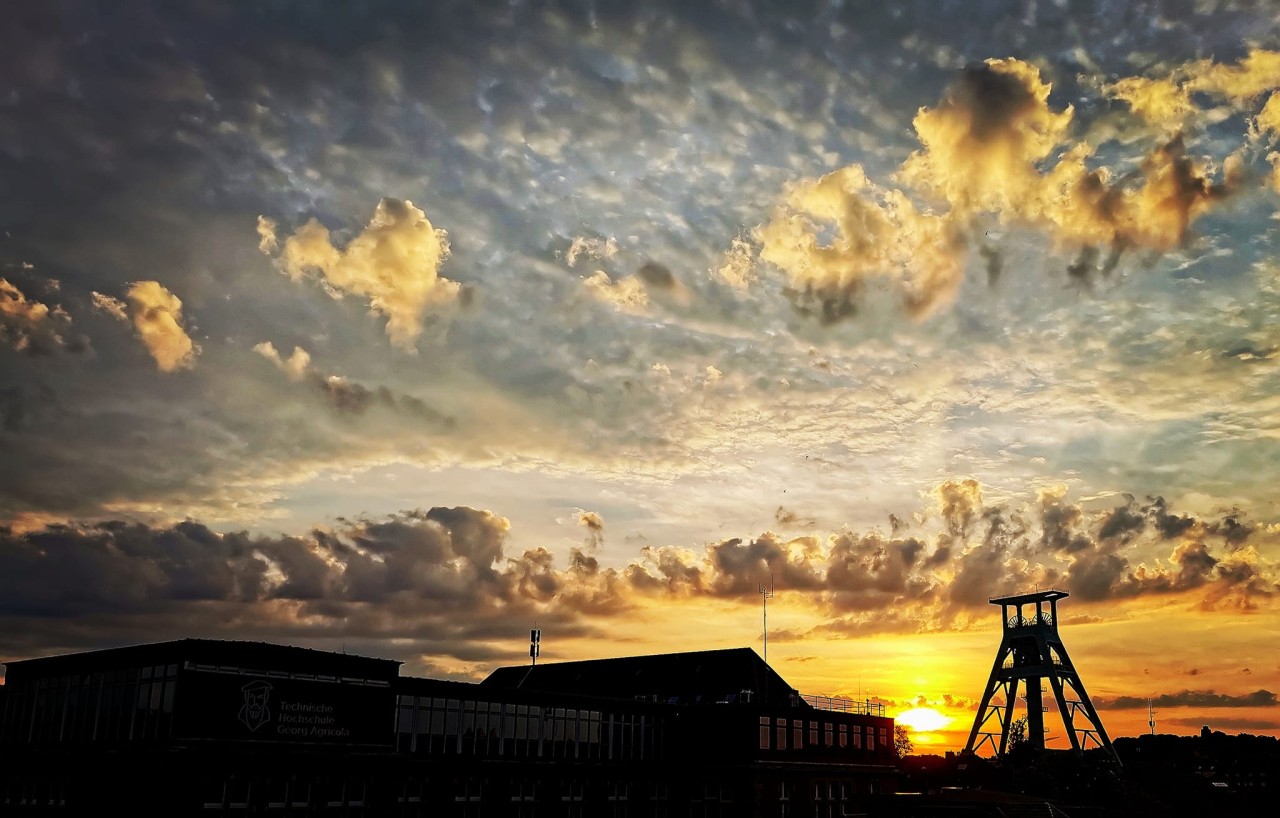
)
(212, 738)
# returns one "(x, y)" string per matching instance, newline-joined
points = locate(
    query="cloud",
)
(1255, 74)
(737, 267)
(32, 327)
(877, 237)
(983, 142)
(268, 241)
(157, 317)
(627, 294)
(588, 248)
(113, 307)
(450, 573)
(1192, 698)
(1228, 722)
(594, 524)
(295, 366)
(994, 148)
(1163, 102)
(348, 398)
(394, 263)
(439, 576)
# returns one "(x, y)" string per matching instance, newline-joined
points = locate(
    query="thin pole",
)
(765, 596)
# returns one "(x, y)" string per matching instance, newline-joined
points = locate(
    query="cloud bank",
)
(446, 574)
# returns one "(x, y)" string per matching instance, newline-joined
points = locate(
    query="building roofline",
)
(193, 642)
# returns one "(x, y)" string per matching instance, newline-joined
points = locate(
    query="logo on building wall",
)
(254, 713)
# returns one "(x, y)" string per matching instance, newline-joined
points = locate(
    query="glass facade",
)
(108, 706)
(438, 725)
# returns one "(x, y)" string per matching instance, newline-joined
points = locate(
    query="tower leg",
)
(1073, 678)
(1010, 697)
(1068, 716)
(993, 683)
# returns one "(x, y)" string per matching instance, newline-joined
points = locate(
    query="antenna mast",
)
(535, 644)
(1151, 716)
(766, 594)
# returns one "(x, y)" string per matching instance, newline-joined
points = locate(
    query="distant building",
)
(239, 728)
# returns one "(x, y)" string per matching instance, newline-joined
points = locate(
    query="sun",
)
(923, 719)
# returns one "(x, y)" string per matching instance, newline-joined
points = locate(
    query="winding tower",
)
(1030, 652)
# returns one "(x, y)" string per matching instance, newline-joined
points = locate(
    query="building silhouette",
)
(207, 727)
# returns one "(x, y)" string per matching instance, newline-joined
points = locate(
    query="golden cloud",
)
(1163, 102)
(1254, 75)
(394, 262)
(983, 142)
(627, 294)
(878, 235)
(157, 316)
(29, 325)
(295, 366)
(994, 148)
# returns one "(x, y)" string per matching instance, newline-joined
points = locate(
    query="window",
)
(813, 734)
(764, 732)
(781, 734)
(797, 734)
(572, 794)
(830, 735)
(844, 736)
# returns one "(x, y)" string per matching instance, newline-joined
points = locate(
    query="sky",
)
(397, 328)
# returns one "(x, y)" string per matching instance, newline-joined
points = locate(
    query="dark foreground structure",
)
(237, 728)
(1030, 652)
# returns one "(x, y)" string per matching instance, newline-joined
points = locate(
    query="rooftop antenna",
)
(535, 644)
(1151, 716)
(766, 594)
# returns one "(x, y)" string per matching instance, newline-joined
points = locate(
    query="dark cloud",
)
(657, 276)
(447, 572)
(786, 517)
(1123, 522)
(1191, 698)
(439, 576)
(1228, 722)
(1233, 528)
(351, 399)
(1060, 524)
(1168, 524)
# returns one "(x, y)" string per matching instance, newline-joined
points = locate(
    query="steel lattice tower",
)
(1031, 651)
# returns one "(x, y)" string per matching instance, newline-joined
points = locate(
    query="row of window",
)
(774, 734)
(460, 796)
(427, 724)
(128, 704)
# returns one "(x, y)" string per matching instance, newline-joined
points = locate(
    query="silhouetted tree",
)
(1017, 733)
(902, 741)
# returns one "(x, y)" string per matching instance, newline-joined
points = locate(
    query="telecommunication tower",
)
(1030, 652)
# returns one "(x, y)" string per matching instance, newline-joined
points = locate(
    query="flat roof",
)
(249, 655)
(1033, 596)
(706, 676)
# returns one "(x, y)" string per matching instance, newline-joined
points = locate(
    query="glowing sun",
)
(923, 719)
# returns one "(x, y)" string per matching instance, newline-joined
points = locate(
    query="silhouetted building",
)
(207, 727)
